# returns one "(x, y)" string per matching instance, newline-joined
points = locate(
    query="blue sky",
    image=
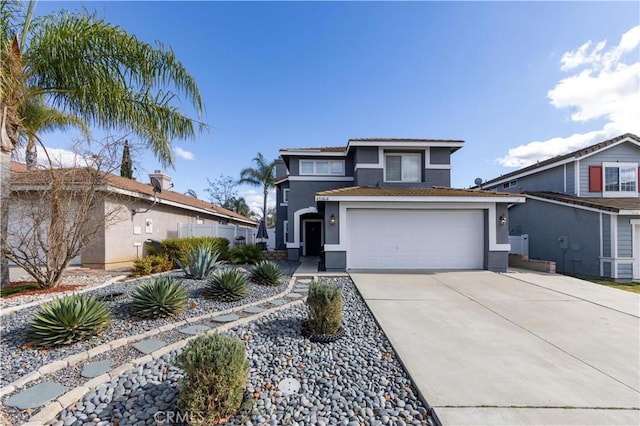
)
(517, 81)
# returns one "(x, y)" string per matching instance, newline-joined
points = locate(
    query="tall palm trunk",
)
(264, 204)
(8, 140)
(5, 189)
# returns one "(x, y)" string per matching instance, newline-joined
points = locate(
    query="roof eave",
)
(421, 199)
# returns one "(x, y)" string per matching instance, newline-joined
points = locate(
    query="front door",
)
(312, 238)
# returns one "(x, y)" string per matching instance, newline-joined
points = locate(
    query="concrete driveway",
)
(513, 349)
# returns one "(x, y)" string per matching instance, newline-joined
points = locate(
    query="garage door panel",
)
(415, 239)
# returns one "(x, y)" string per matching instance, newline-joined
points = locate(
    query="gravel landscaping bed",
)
(17, 360)
(355, 380)
(74, 277)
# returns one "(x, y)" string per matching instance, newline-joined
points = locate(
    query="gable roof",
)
(367, 191)
(318, 149)
(615, 205)
(403, 140)
(453, 144)
(21, 177)
(575, 154)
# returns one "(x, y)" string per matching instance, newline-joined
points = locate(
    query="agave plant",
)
(201, 262)
(227, 285)
(68, 320)
(266, 273)
(159, 298)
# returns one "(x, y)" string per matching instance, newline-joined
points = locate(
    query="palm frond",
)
(95, 70)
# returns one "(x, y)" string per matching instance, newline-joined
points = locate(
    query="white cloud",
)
(603, 86)
(255, 199)
(60, 157)
(183, 153)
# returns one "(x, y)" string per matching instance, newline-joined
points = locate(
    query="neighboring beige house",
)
(140, 216)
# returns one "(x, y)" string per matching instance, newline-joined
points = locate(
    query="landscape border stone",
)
(44, 415)
(22, 381)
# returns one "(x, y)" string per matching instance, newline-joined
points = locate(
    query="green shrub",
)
(201, 262)
(227, 285)
(68, 320)
(159, 298)
(177, 248)
(266, 273)
(246, 254)
(216, 370)
(151, 264)
(324, 304)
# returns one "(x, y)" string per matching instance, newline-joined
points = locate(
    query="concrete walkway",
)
(513, 349)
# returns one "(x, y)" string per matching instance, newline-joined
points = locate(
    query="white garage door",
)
(415, 239)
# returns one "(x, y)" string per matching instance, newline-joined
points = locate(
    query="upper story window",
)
(509, 184)
(620, 177)
(285, 197)
(402, 168)
(322, 167)
(614, 179)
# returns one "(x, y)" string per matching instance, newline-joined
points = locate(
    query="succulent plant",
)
(159, 298)
(68, 320)
(227, 285)
(201, 262)
(266, 273)
(246, 254)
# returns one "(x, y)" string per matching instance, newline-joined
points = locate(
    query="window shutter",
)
(595, 178)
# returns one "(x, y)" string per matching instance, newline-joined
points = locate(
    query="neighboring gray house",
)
(582, 209)
(387, 204)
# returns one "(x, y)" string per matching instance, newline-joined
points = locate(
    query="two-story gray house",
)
(387, 204)
(582, 209)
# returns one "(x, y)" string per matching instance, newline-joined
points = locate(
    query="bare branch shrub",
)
(56, 211)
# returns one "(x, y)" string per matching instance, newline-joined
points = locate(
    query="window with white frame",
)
(322, 167)
(285, 196)
(285, 230)
(402, 168)
(620, 179)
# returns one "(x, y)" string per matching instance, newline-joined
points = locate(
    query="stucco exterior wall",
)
(566, 235)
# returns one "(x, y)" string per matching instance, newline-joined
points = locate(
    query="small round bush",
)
(67, 320)
(216, 369)
(266, 273)
(227, 285)
(159, 298)
(324, 304)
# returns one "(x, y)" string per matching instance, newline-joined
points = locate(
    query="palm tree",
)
(83, 66)
(238, 205)
(191, 193)
(262, 175)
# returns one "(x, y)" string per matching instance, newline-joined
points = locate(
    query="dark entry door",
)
(313, 238)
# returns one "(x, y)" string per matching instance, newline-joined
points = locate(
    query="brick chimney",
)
(165, 180)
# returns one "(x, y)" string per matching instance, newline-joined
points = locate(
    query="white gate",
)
(230, 232)
(519, 244)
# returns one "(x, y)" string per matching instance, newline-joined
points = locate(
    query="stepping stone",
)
(36, 396)
(289, 386)
(303, 281)
(194, 329)
(226, 318)
(253, 310)
(293, 296)
(149, 345)
(95, 369)
(278, 302)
